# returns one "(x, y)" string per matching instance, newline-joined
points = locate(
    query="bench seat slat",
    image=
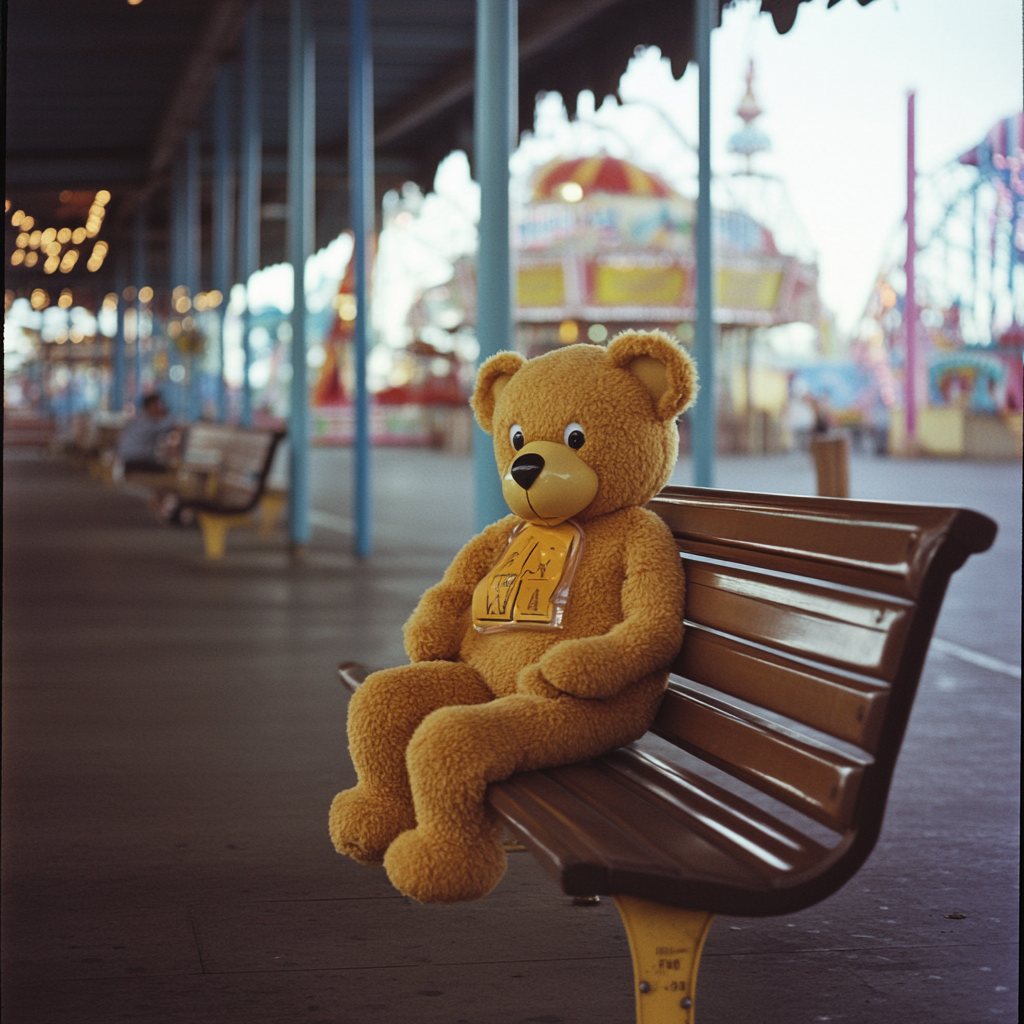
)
(816, 780)
(849, 709)
(572, 838)
(664, 804)
(850, 630)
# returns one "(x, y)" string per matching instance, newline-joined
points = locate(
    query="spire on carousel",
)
(749, 140)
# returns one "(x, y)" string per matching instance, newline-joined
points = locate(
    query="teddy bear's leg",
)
(382, 717)
(455, 853)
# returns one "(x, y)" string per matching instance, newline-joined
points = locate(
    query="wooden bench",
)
(238, 485)
(195, 473)
(762, 784)
(213, 453)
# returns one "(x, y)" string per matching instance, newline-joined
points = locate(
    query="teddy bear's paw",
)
(363, 826)
(531, 681)
(435, 869)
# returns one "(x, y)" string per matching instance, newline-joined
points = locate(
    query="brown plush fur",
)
(473, 708)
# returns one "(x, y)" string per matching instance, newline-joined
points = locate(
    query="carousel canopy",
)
(604, 241)
(573, 180)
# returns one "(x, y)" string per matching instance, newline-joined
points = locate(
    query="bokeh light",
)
(568, 332)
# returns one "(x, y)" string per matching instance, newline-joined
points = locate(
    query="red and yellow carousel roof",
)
(572, 180)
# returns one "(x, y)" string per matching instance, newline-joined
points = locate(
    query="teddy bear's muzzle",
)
(548, 482)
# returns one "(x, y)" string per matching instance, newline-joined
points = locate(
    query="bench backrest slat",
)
(844, 706)
(859, 632)
(875, 546)
(204, 447)
(820, 782)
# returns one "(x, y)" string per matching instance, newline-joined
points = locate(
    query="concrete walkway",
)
(173, 735)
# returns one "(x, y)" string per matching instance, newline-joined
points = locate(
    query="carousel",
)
(605, 244)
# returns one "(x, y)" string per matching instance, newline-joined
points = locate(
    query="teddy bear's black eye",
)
(573, 436)
(515, 435)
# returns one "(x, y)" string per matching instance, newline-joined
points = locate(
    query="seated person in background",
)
(142, 434)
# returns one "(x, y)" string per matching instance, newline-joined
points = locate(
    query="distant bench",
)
(762, 784)
(92, 443)
(222, 480)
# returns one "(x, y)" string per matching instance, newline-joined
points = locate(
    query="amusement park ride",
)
(967, 256)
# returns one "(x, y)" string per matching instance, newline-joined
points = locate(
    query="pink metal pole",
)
(910, 302)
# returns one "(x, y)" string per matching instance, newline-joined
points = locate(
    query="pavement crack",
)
(195, 939)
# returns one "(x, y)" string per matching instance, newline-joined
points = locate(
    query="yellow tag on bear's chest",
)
(529, 585)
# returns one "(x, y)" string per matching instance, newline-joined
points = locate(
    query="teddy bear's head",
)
(585, 430)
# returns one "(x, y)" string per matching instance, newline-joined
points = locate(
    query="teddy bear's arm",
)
(433, 631)
(652, 628)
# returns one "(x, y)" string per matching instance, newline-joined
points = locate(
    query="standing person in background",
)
(143, 434)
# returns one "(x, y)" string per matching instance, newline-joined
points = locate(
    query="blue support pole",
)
(361, 176)
(177, 239)
(140, 282)
(496, 123)
(176, 396)
(250, 185)
(117, 388)
(192, 257)
(223, 220)
(301, 195)
(704, 430)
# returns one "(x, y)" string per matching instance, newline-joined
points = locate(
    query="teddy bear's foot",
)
(363, 826)
(435, 869)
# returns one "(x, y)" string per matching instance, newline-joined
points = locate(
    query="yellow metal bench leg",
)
(215, 532)
(271, 505)
(666, 943)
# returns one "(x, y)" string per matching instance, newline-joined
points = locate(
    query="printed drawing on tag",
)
(529, 585)
(502, 589)
(506, 583)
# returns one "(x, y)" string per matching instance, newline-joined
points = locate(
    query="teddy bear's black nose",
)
(526, 469)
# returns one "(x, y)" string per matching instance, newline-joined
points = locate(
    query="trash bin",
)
(832, 464)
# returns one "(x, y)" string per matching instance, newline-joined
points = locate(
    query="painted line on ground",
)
(330, 521)
(975, 657)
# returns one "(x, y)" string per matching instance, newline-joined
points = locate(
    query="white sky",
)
(833, 91)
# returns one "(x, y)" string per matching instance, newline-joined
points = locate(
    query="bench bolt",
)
(686, 1003)
(644, 987)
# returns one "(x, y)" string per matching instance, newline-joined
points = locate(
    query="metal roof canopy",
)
(101, 94)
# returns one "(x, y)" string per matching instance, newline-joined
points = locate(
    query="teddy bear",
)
(548, 640)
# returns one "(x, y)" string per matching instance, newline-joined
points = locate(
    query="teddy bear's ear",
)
(495, 373)
(664, 369)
